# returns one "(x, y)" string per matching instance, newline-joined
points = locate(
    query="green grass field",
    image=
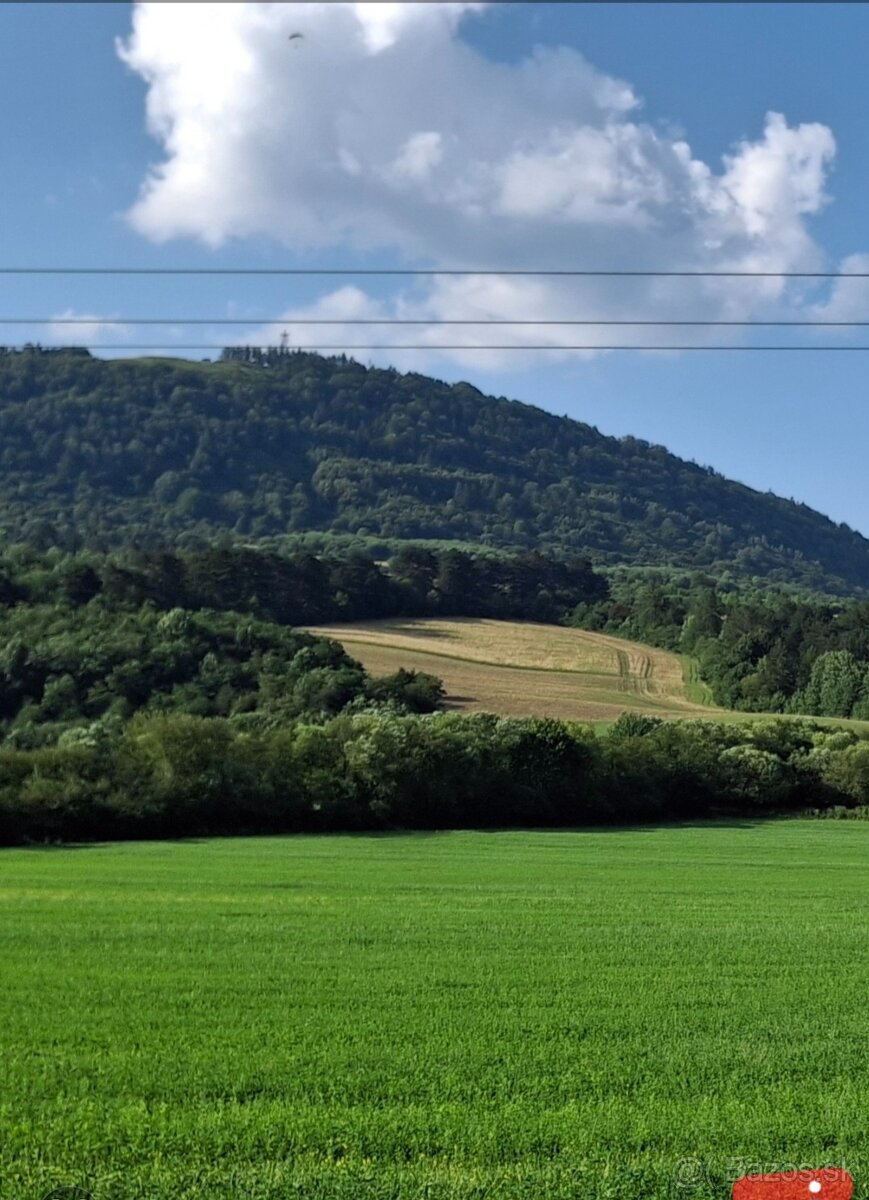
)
(563, 1016)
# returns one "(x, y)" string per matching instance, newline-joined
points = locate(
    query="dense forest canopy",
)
(89, 641)
(100, 454)
(152, 694)
(759, 650)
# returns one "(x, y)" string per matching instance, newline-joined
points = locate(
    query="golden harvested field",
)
(519, 668)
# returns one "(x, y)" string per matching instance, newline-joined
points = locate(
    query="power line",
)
(343, 348)
(289, 322)
(426, 271)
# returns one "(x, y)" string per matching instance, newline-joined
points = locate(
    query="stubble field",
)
(607, 1014)
(521, 668)
(525, 669)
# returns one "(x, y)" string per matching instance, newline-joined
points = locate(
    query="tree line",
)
(304, 588)
(175, 774)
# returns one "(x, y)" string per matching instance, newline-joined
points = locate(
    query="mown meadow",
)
(524, 668)
(635, 1013)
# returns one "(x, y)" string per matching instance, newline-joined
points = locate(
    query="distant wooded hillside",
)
(262, 445)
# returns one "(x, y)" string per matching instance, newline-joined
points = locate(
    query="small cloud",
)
(420, 154)
(849, 298)
(72, 328)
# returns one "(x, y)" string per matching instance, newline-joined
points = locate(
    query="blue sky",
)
(490, 136)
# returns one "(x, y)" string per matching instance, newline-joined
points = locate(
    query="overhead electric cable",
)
(433, 271)
(289, 322)
(343, 348)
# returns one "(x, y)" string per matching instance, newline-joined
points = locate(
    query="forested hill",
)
(108, 453)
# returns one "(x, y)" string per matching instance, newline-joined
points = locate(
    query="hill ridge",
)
(264, 446)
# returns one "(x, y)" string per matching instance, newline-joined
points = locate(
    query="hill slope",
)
(526, 669)
(145, 451)
(522, 669)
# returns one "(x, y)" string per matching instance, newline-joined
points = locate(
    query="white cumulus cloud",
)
(382, 129)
